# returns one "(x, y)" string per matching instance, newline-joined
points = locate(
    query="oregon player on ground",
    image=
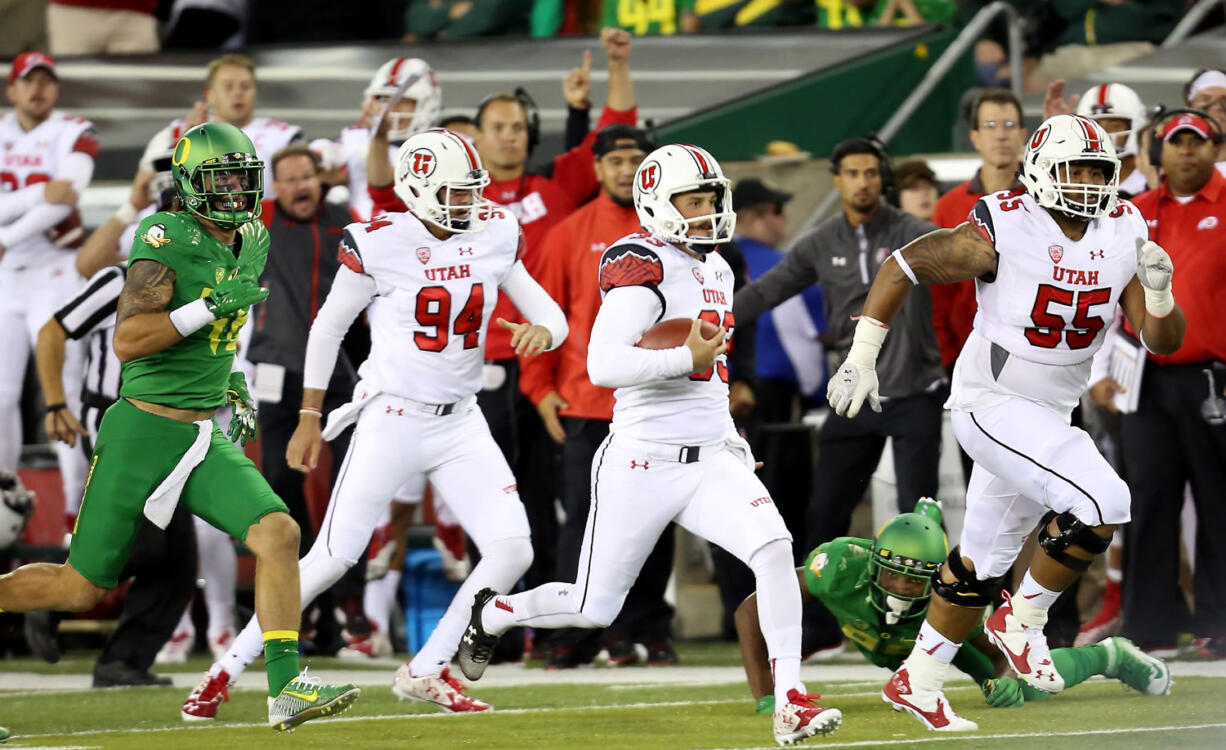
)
(193, 272)
(878, 591)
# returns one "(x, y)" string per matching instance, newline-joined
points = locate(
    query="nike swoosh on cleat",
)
(308, 697)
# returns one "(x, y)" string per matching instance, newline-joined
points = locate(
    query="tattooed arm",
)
(144, 325)
(939, 257)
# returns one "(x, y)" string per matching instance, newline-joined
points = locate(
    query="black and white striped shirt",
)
(92, 314)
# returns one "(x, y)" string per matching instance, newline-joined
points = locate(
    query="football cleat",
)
(622, 654)
(441, 690)
(1025, 647)
(1135, 668)
(305, 698)
(375, 645)
(211, 692)
(1108, 620)
(929, 706)
(476, 645)
(220, 643)
(802, 718)
(177, 649)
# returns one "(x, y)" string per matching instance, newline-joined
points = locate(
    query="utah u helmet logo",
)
(423, 162)
(649, 177)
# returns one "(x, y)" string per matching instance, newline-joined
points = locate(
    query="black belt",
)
(442, 410)
(96, 400)
(689, 454)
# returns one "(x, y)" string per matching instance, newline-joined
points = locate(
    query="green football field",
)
(701, 704)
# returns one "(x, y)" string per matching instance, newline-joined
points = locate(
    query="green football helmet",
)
(217, 174)
(913, 546)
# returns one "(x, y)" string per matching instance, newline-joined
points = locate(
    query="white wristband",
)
(1159, 302)
(126, 213)
(191, 317)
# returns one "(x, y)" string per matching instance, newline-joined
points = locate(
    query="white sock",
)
(502, 564)
(246, 648)
(933, 644)
(926, 671)
(219, 569)
(378, 598)
(548, 606)
(1031, 602)
(779, 613)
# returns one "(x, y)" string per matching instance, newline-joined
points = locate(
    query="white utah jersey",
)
(433, 298)
(36, 156)
(690, 409)
(267, 135)
(1047, 309)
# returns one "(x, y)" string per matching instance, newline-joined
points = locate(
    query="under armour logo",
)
(468, 638)
(838, 260)
(397, 412)
(466, 251)
(639, 464)
(1038, 673)
(1097, 254)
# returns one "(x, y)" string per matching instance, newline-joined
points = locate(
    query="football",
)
(69, 233)
(672, 333)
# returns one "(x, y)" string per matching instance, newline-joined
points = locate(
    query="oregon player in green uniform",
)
(878, 591)
(192, 275)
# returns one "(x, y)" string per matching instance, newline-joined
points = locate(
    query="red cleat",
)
(211, 692)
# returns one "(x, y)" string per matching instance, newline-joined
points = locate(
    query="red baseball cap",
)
(28, 62)
(1192, 123)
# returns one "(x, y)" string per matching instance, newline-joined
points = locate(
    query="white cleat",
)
(1025, 647)
(441, 690)
(930, 707)
(802, 718)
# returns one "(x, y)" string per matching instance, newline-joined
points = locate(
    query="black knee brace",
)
(968, 590)
(1073, 532)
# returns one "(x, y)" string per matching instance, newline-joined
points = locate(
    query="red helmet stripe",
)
(391, 76)
(1092, 139)
(698, 157)
(1102, 95)
(468, 150)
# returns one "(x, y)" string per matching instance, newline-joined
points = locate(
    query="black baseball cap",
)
(750, 192)
(614, 137)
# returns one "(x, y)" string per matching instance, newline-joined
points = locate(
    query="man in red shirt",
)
(1000, 138)
(1177, 436)
(505, 137)
(577, 414)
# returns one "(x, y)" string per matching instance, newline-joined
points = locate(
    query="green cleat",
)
(304, 698)
(5, 734)
(1138, 670)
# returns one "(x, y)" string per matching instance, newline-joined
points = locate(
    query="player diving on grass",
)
(878, 590)
(673, 453)
(1051, 264)
(429, 279)
(192, 274)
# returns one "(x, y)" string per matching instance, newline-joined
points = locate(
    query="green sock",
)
(1075, 665)
(280, 659)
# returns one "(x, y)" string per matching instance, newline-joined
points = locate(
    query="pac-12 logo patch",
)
(422, 162)
(1056, 252)
(698, 275)
(155, 236)
(423, 254)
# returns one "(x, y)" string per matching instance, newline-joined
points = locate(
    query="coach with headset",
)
(842, 255)
(1177, 435)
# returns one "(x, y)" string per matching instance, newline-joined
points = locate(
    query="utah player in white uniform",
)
(42, 152)
(429, 278)
(416, 110)
(230, 96)
(672, 453)
(1120, 112)
(1050, 264)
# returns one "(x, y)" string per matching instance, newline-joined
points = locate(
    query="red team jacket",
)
(539, 203)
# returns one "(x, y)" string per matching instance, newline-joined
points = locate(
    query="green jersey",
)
(193, 373)
(838, 574)
(646, 17)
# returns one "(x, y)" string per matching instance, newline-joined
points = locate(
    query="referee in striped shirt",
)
(163, 562)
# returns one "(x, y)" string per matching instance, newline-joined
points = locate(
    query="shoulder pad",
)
(630, 265)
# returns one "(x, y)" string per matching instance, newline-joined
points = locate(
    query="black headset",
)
(1161, 116)
(532, 114)
(888, 189)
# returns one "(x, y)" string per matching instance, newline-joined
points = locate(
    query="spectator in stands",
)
(163, 563)
(841, 255)
(102, 27)
(915, 189)
(651, 17)
(577, 414)
(39, 225)
(507, 130)
(1207, 91)
(999, 136)
(463, 19)
(1177, 436)
(230, 93)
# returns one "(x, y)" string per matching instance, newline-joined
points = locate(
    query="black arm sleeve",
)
(578, 123)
